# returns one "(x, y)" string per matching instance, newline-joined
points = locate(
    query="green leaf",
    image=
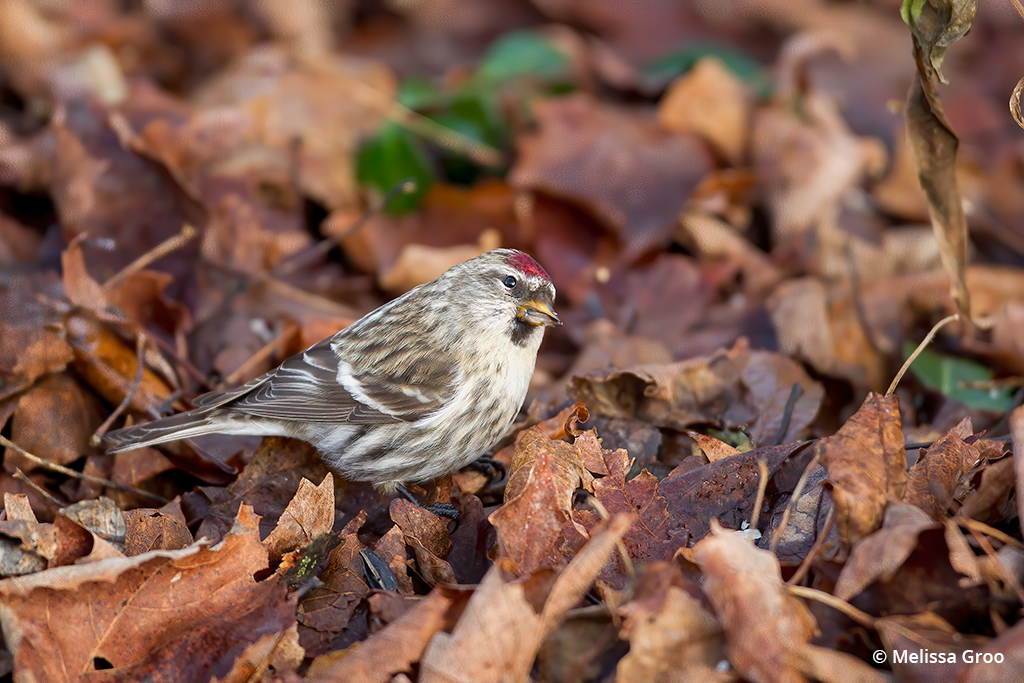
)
(391, 156)
(682, 60)
(948, 374)
(416, 93)
(522, 53)
(910, 11)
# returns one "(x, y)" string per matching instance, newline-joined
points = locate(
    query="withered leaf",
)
(179, 612)
(866, 465)
(763, 624)
(535, 525)
(934, 478)
(309, 514)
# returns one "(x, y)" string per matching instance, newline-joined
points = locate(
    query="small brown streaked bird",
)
(412, 391)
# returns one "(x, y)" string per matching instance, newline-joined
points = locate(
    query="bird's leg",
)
(493, 469)
(440, 509)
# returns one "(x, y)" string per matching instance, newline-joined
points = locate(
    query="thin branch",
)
(794, 498)
(805, 566)
(762, 486)
(293, 262)
(1007, 575)
(787, 414)
(169, 245)
(920, 347)
(261, 355)
(862, 618)
(981, 527)
(18, 474)
(140, 350)
(68, 472)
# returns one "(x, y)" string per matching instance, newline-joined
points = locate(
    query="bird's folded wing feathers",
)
(397, 387)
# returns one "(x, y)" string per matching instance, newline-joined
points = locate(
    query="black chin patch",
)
(521, 332)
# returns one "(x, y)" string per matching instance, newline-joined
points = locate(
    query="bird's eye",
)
(509, 282)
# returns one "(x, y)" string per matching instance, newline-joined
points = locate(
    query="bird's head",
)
(513, 289)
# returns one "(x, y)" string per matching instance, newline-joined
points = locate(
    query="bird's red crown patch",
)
(526, 265)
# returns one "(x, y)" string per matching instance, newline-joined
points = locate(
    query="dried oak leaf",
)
(630, 173)
(309, 514)
(654, 534)
(535, 526)
(711, 101)
(501, 629)
(866, 466)
(934, 478)
(180, 614)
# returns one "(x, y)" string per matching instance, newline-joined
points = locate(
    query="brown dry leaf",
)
(150, 529)
(418, 263)
(109, 366)
(711, 101)
(27, 545)
(654, 534)
(268, 483)
(428, 537)
(1010, 644)
(179, 613)
(992, 501)
(634, 176)
(280, 652)
(866, 466)
(713, 449)
(673, 636)
(327, 611)
(104, 189)
(397, 646)
(500, 631)
(925, 631)
(932, 139)
(727, 489)
(881, 554)
(764, 626)
(535, 525)
(327, 102)
(1017, 431)
(739, 385)
(391, 548)
(809, 161)
(934, 478)
(309, 514)
(56, 400)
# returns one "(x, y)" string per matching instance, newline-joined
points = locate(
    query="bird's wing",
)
(318, 385)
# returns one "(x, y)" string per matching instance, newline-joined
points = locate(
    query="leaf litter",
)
(706, 482)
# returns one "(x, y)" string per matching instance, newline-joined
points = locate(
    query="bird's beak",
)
(538, 313)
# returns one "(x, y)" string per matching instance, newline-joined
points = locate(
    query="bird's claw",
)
(439, 509)
(443, 510)
(493, 469)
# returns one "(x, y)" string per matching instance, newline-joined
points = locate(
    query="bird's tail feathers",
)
(181, 426)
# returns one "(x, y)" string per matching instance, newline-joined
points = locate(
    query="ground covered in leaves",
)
(750, 224)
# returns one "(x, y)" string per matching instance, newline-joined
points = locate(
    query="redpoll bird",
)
(412, 391)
